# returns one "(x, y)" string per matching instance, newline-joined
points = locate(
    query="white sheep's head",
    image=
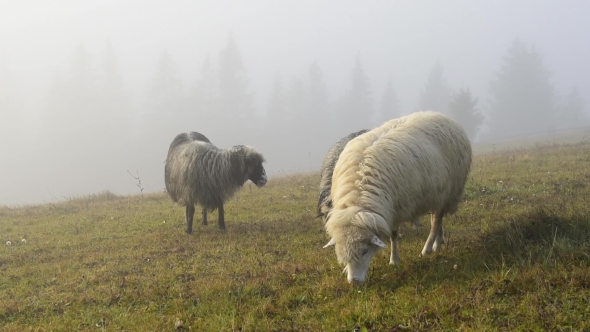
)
(355, 247)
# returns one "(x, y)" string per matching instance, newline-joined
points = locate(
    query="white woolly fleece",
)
(403, 169)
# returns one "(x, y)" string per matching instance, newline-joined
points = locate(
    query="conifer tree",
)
(463, 108)
(522, 97)
(436, 94)
(235, 100)
(389, 107)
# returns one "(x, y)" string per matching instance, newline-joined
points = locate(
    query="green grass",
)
(517, 258)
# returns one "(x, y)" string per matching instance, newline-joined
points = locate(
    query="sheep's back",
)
(406, 167)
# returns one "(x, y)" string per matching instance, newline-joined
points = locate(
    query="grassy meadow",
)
(517, 258)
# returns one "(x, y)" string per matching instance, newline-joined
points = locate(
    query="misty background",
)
(90, 90)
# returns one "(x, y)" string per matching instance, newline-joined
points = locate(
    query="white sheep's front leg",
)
(394, 258)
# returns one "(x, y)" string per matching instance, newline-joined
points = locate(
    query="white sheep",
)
(404, 169)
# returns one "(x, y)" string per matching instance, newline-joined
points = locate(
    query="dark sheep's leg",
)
(221, 220)
(204, 216)
(190, 212)
(440, 239)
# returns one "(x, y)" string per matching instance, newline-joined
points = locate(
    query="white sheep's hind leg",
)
(434, 221)
(394, 258)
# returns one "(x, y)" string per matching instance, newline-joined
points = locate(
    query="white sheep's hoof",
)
(438, 245)
(425, 252)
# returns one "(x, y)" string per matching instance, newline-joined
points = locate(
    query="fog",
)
(90, 90)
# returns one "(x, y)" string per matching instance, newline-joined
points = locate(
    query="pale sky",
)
(398, 38)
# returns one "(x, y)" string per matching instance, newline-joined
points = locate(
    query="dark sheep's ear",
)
(250, 159)
(319, 216)
(254, 158)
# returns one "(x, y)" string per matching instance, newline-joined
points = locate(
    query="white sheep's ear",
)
(377, 241)
(331, 243)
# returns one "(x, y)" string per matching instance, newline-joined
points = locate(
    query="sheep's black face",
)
(324, 208)
(257, 175)
(256, 172)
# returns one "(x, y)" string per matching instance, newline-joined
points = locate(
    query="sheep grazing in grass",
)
(404, 169)
(324, 199)
(197, 172)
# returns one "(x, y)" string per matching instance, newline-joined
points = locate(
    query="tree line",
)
(299, 119)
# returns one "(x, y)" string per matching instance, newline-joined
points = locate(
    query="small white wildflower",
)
(500, 182)
(548, 173)
(359, 292)
(455, 266)
(23, 241)
(178, 324)
(164, 221)
(8, 243)
(112, 218)
(284, 196)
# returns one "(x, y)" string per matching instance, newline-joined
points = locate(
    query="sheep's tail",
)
(184, 138)
(174, 162)
(195, 136)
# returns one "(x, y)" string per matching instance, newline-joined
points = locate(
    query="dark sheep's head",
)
(324, 205)
(255, 170)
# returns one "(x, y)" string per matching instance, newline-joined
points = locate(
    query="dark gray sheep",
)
(197, 172)
(324, 199)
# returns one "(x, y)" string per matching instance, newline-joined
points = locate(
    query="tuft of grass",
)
(516, 258)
